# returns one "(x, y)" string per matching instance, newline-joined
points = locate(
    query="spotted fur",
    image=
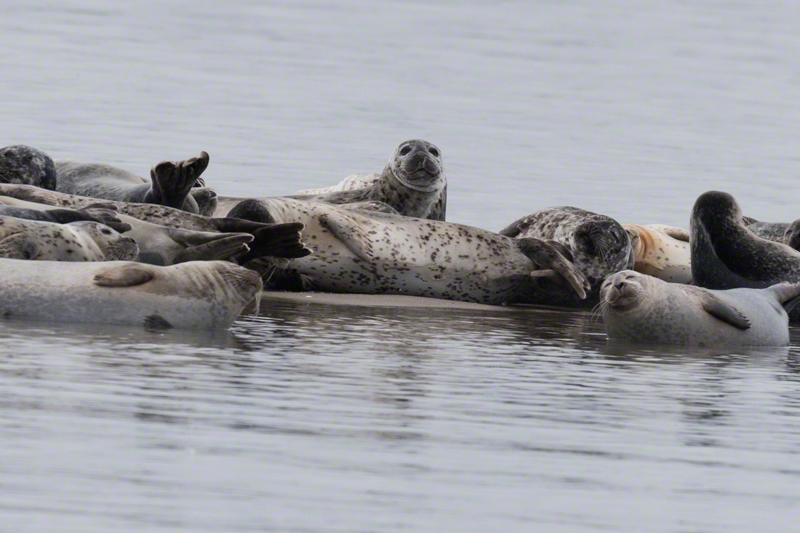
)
(26, 165)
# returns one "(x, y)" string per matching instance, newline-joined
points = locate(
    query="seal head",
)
(418, 165)
(25, 165)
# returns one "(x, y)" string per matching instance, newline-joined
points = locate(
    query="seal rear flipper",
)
(724, 311)
(19, 246)
(103, 215)
(227, 246)
(128, 275)
(277, 240)
(547, 257)
(173, 181)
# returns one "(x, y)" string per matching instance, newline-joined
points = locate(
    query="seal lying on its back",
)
(27, 166)
(171, 182)
(413, 183)
(76, 241)
(378, 253)
(277, 240)
(596, 244)
(199, 294)
(661, 251)
(641, 308)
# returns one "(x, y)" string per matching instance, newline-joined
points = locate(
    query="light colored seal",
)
(596, 244)
(269, 240)
(413, 183)
(350, 183)
(26, 165)
(97, 213)
(199, 294)
(641, 308)
(365, 252)
(76, 241)
(170, 182)
(661, 251)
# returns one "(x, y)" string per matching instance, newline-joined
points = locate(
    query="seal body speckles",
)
(199, 294)
(26, 165)
(376, 253)
(598, 244)
(76, 241)
(643, 309)
(413, 183)
(661, 251)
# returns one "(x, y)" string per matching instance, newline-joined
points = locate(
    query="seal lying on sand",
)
(661, 251)
(596, 244)
(171, 184)
(75, 241)
(413, 183)
(641, 308)
(278, 240)
(378, 253)
(199, 294)
(26, 165)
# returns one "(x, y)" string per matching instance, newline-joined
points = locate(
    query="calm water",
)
(313, 418)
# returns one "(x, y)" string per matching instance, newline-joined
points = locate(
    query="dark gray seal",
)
(643, 309)
(598, 245)
(170, 182)
(784, 232)
(26, 165)
(367, 252)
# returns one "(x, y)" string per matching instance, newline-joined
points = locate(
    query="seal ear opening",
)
(129, 275)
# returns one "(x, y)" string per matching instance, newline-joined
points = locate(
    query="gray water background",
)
(320, 418)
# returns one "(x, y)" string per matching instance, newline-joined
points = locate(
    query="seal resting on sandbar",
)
(643, 309)
(597, 245)
(104, 214)
(413, 183)
(75, 241)
(661, 251)
(377, 253)
(170, 182)
(198, 294)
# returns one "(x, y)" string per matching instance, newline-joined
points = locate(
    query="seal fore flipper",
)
(128, 275)
(353, 236)
(678, 234)
(547, 257)
(19, 246)
(724, 311)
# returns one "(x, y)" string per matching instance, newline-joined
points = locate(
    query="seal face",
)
(643, 309)
(26, 165)
(413, 183)
(661, 251)
(76, 241)
(597, 245)
(172, 182)
(198, 294)
(367, 252)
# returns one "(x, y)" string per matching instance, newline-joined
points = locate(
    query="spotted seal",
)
(75, 241)
(596, 244)
(365, 252)
(27, 165)
(413, 183)
(170, 182)
(350, 183)
(641, 308)
(94, 213)
(274, 240)
(661, 251)
(198, 294)
(787, 233)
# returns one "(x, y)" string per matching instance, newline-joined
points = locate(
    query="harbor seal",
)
(270, 239)
(787, 233)
(104, 215)
(413, 183)
(641, 308)
(596, 244)
(75, 241)
(350, 183)
(661, 251)
(26, 165)
(358, 251)
(170, 182)
(198, 294)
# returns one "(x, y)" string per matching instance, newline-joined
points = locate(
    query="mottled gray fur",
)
(26, 165)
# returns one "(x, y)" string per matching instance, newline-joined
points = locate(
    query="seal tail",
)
(173, 181)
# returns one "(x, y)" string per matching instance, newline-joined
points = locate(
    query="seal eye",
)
(404, 150)
(434, 152)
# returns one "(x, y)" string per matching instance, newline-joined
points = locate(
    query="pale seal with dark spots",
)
(597, 245)
(170, 182)
(26, 165)
(376, 253)
(76, 241)
(643, 309)
(661, 251)
(350, 183)
(198, 294)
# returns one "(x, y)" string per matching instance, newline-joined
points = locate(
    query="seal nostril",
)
(405, 150)
(434, 152)
(619, 284)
